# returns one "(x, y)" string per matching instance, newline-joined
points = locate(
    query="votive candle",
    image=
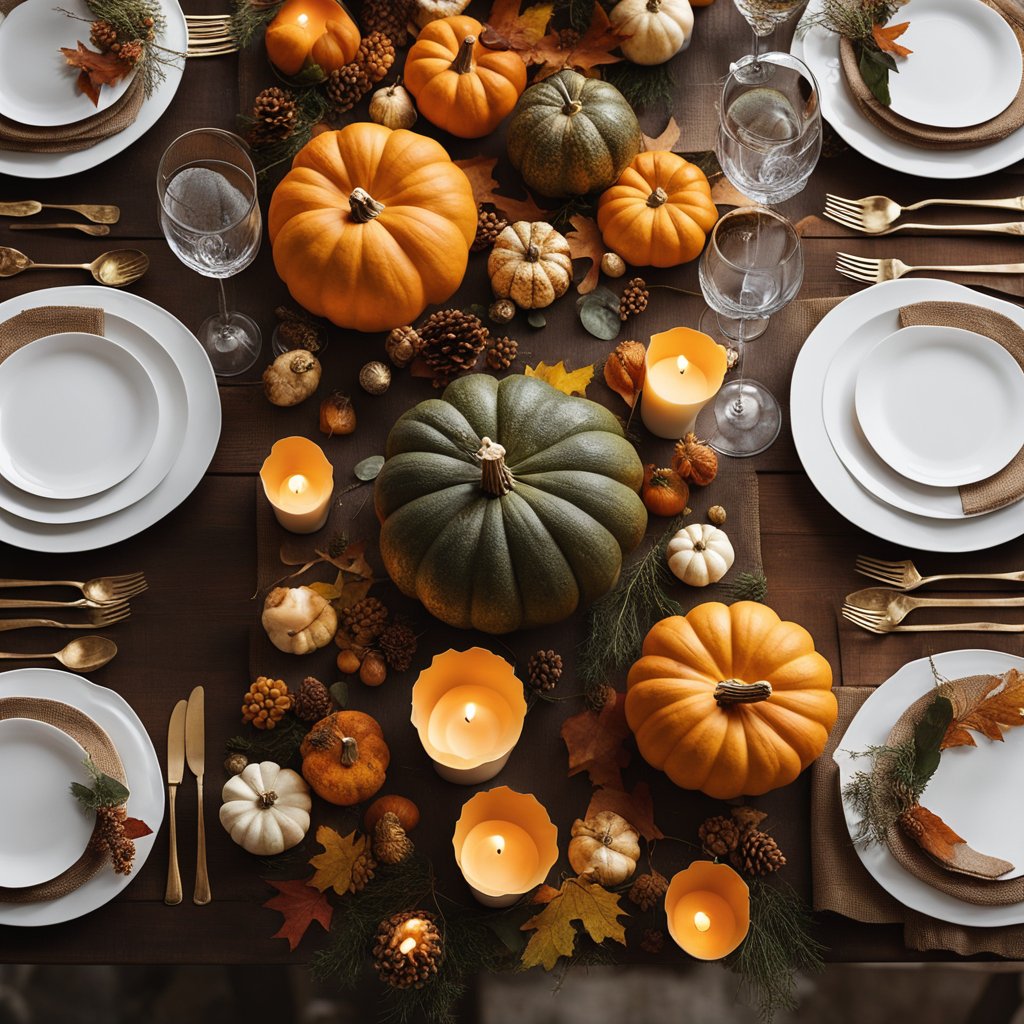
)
(708, 910)
(298, 480)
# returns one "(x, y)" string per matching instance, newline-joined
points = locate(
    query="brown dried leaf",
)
(666, 140)
(636, 807)
(585, 243)
(545, 894)
(136, 828)
(334, 865)
(725, 193)
(98, 69)
(593, 49)
(942, 844)
(480, 171)
(595, 741)
(517, 31)
(1001, 707)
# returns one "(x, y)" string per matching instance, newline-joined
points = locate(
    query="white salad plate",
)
(78, 413)
(941, 405)
(873, 314)
(968, 789)
(45, 828)
(958, 85)
(173, 399)
(819, 50)
(197, 446)
(174, 38)
(37, 86)
(115, 716)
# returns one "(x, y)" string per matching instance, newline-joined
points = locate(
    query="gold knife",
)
(175, 771)
(195, 754)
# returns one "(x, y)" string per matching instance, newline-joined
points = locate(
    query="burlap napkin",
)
(926, 136)
(32, 324)
(82, 134)
(98, 745)
(842, 885)
(1006, 486)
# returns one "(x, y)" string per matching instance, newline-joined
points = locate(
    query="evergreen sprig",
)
(250, 18)
(311, 108)
(747, 586)
(280, 744)
(104, 792)
(644, 86)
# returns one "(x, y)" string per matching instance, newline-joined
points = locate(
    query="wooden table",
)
(193, 625)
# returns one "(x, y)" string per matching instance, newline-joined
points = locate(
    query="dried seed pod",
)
(501, 311)
(348, 662)
(613, 264)
(716, 515)
(402, 345)
(625, 370)
(337, 416)
(374, 669)
(375, 377)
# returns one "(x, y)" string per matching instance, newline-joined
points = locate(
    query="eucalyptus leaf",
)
(928, 736)
(339, 693)
(536, 319)
(368, 468)
(603, 295)
(599, 320)
(875, 75)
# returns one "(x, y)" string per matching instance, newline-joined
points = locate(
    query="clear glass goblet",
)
(210, 216)
(764, 17)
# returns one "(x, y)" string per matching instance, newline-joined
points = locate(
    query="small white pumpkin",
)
(700, 554)
(298, 620)
(266, 808)
(530, 264)
(605, 847)
(657, 29)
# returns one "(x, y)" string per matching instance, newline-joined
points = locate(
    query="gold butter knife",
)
(195, 754)
(175, 771)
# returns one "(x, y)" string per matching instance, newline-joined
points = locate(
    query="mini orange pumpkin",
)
(337, 46)
(402, 807)
(730, 700)
(311, 31)
(659, 212)
(459, 84)
(664, 492)
(344, 758)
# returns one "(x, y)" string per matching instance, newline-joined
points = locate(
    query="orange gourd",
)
(659, 212)
(730, 700)
(664, 491)
(311, 31)
(337, 46)
(459, 84)
(370, 226)
(344, 758)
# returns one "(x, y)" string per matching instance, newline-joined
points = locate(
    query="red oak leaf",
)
(595, 743)
(301, 905)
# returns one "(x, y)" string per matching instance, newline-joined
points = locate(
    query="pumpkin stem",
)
(363, 206)
(735, 691)
(532, 254)
(654, 6)
(463, 62)
(570, 106)
(267, 799)
(659, 195)
(349, 751)
(496, 477)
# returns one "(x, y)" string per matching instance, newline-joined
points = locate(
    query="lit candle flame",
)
(682, 363)
(297, 483)
(407, 945)
(470, 712)
(302, 19)
(701, 921)
(499, 844)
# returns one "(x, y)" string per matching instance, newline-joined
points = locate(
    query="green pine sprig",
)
(747, 586)
(250, 18)
(645, 87)
(280, 744)
(104, 791)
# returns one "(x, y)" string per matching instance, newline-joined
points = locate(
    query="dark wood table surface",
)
(193, 626)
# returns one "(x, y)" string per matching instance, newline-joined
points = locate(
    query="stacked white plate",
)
(890, 422)
(100, 437)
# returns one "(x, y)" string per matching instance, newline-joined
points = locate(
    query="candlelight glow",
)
(407, 945)
(303, 19)
(499, 844)
(682, 363)
(701, 921)
(470, 712)
(297, 483)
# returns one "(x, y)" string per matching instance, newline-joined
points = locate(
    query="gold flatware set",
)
(101, 217)
(209, 35)
(116, 268)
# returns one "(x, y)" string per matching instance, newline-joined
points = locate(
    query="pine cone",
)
(390, 843)
(265, 702)
(364, 621)
(274, 114)
(634, 298)
(757, 854)
(652, 940)
(398, 645)
(452, 343)
(375, 56)
(102, 35)
(648, 890)
(543, 670)
(414, 967)
(130, 52)
(719, 835)
(388, 16)
(313, 701)
(489, 224)
(403, 345)
(502, 353)
(597, 697)
(108, 836)
(362, 871)
(346, 86)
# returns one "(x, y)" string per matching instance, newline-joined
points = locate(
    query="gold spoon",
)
(83, 654)
(90, 211)
(115, 268)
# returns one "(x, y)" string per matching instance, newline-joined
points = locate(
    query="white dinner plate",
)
(967, 791)
(37, 86)
(941, 405)
(174, 38)
(820, 52)
(115, 716)
(965, 68)
(45, 828)
(77, 415)
(880, 305)
(197, 446)
(173, 398)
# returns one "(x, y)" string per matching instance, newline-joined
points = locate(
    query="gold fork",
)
(102, 589)
(99, 618)
(904, 575)
(948, 627)
(209, 35)
(881, 607)
(875, 213)
(871, 271)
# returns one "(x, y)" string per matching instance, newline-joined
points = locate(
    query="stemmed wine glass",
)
(751, 268)
(210, 216)
(764, 17)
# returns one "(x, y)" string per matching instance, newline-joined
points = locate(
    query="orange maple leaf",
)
(593, 48)
(1000, 707)
(301, 905)
(885, 37)
(508, 29)
(585, 243)
(595, 742)
(480, 171)
(98, 69)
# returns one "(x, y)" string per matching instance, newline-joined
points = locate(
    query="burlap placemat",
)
(926, 136)
(97, 744)
(42, 321)
(1006, 486)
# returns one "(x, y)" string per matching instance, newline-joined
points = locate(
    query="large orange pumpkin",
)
(659, 212)
(459, 84)
(730, 700)
(370, 226)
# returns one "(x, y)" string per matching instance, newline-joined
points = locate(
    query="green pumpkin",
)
(570, 135)
(507, 505)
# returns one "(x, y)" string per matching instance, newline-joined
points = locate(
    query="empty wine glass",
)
(751, 268)
(769, 133)
(210, 216)
(764, 17)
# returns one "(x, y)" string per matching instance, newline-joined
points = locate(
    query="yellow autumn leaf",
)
(334, 865)
(569, 382)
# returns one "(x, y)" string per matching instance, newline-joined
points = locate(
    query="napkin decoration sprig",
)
(115, 833)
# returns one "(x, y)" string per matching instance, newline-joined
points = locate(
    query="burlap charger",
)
(42, 321)
(926, 136)
(98, 745)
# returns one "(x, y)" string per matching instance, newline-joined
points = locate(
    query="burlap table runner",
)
(1006, 486)
(926, 136)
(42, 321)
(842, 885)
(97, 744)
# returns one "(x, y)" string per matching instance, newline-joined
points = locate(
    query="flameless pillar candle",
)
(298, 481)
(468, 708)
(708, 910)
(505, 845)
(685, 369)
